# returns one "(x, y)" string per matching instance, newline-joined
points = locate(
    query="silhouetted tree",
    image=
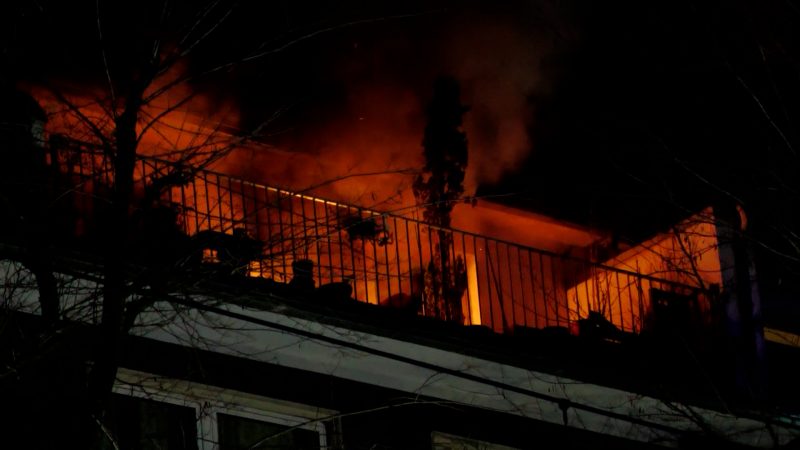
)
(437, 188)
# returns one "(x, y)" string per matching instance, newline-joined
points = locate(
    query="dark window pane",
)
(141, 424)
(239, 433)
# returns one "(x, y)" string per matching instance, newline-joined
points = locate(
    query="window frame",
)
(208, 401)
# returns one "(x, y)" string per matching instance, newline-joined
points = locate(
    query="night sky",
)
(622, 115)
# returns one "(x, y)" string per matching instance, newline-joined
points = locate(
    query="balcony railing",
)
(386, 259)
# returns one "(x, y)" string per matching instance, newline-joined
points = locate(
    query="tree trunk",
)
(116, 238)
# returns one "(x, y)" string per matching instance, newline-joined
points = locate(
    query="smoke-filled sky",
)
(608, 113)
(346, 97)
(356, 96)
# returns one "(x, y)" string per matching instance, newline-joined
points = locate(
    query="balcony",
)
(221, 225)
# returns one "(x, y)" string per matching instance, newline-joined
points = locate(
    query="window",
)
(444, 441)
(154, 412)
(141, 424)
(239, 433)
(673, 311)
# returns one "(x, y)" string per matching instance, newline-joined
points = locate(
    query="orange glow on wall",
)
(687, 255)
(522, 227)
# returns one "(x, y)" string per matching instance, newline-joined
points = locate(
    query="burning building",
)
(265, 315)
